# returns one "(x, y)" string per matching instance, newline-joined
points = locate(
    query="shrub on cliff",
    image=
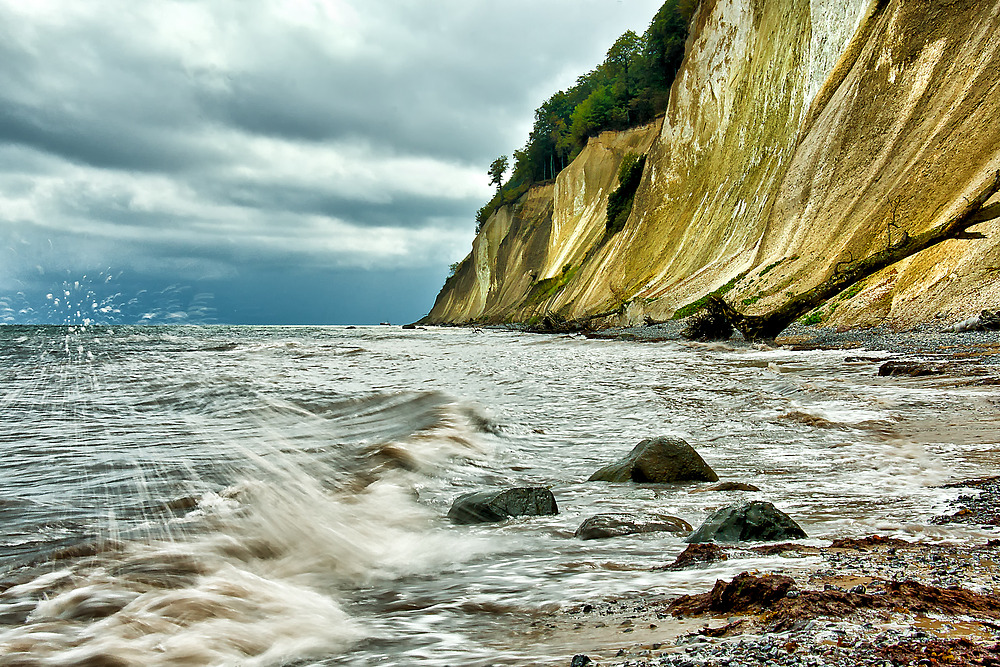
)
(620, 200)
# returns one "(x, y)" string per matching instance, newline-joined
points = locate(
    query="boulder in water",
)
(492, 506)
(659, 459)
(615, 525)
(756, 521)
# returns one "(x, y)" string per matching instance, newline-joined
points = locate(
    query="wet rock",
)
(987, 320)
(980, 509)
(492, 506)
(697, 554)
(807, 419)
(906, 368)
(708, 325)
(756, 521)
(659, 460)
(785, 549)
(731, 486)
(182, 504)
(746, 592)
(581, 661)
(870, 542)
(615, 525)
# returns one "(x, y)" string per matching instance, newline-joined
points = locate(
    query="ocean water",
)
(277, 496)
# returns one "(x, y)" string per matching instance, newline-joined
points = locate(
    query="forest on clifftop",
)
(631, 87)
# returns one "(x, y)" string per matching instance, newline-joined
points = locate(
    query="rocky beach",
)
(875, 600)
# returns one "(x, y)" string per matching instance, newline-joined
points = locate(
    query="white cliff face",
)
(799, 133)
(833, 24)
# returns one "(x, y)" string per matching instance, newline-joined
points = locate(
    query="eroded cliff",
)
(799, 134)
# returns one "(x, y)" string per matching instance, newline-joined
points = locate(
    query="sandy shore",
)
(875, 601)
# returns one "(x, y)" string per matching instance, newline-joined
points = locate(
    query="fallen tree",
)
(846, 273)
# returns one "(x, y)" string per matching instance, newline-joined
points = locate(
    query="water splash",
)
(107, 298)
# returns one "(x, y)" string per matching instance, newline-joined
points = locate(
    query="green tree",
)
(665, 40)
(497, 169)
(622, 53)
(630, 87)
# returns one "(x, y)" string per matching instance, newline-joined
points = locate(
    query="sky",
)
(264, 161)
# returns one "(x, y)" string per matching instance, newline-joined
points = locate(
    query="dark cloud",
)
(334, 148)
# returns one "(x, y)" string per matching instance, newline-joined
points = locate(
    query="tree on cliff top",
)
(497, 170)
(629, 88)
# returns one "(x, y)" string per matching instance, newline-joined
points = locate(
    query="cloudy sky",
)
(264, 161)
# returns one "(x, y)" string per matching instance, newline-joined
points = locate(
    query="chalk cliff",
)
(799, 134)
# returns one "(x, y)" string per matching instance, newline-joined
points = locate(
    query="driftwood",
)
(846, 273)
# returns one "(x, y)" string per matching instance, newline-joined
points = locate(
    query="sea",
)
(254, 496)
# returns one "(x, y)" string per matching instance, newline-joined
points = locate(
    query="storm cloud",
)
(312, 161)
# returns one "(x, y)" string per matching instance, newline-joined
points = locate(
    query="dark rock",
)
(745, 593)
(708, 325)
(555, 323)
(696, 554)
(614, 525)
(581, 661)
(731, 486)
(409, 327)
(784, 548)
(658, 460)
(982, 508)
(989, 320)
(870, 542)
(491, 506)
(748, 522)
(902, 367)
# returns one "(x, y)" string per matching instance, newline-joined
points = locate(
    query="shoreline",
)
(874, 601)
(850, 610)
(846, 618)
(927, 339)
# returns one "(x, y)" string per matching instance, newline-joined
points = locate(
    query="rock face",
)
(748, 522)
(658, 460)
(798, 135)
(493, 506)
(615, 525)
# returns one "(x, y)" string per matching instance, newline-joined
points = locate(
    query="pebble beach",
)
(872, 601)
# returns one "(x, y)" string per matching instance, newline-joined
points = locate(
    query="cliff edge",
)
(799, 134)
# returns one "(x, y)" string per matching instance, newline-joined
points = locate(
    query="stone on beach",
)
(756, 521)
(493, 506)
(697, 554)
(658, 460)
(616, 525)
